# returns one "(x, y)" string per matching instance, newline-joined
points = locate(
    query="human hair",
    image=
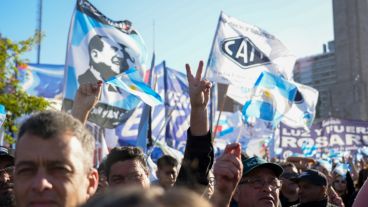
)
(287, 165)
(124, 153)
(363, 174)
(95, 43)
(50, 124)
(153, 197)
(167, 160)
(127, 197)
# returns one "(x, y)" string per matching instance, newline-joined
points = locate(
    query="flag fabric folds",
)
(303, 109)
(271, 99)
(241, 52)
(131, 81)
(98, 49)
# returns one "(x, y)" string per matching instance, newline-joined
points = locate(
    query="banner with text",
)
(324, 138)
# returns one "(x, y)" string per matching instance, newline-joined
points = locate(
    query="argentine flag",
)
(131, 82)
(272, 97)
(2, 114)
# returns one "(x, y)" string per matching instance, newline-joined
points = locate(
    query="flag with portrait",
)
(98, 49)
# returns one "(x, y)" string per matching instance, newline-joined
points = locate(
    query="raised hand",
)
(86, 98)
(228, 171)
(199, 89)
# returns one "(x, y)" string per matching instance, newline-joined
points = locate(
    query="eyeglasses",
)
(258, 183)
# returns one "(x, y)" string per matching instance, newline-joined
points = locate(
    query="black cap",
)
(256, 162)
(314, 177)
(6, 154)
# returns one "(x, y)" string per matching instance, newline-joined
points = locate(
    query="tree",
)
(16, 101)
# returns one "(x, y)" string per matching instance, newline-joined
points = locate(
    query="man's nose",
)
(41, 182)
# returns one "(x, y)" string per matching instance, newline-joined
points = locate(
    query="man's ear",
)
(94, 54)
(92, 182)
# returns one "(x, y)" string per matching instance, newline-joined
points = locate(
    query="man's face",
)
(309, 192)
(52, 172)
(261, 189)
(6, 182)
(128, 172)
(110, 60)
(167, 176)
(289, 187)
(339, 184)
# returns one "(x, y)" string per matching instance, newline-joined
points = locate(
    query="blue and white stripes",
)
(131, 82)
(271, 99)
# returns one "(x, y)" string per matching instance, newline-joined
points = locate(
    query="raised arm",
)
(199, 91)
(199, 153)
(85, 100)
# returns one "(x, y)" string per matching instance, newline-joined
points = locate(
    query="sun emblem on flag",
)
(133, 87)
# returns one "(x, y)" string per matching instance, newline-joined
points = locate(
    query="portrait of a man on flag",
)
(98, 49)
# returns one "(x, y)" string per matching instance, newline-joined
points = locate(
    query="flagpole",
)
(167, 119)
(213, 43)
(222, 108)
(240, 132)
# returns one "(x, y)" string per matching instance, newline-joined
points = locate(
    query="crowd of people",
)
(53, 166)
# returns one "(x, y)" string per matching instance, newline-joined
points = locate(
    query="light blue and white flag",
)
(309, 150)
(131, 81)
(341, 169)
(303, 109)
(326, 164)
(2, 114)
(98, 49)
(271, 99)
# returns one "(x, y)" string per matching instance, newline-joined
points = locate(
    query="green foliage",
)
(16, 101)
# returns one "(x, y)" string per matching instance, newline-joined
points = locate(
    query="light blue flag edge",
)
(135, 77)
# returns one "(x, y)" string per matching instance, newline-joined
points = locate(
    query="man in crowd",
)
(54, 162)
(6, 178)
(289, 191)
(167, 171)
(127, 166)
(260, 184)
(312, 189)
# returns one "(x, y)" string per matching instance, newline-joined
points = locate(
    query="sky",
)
(178, 31)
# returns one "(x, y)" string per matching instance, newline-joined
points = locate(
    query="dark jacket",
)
(349, 197)
(197, 162)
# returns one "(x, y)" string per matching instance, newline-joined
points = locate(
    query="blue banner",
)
(43, 80)
(327, 139)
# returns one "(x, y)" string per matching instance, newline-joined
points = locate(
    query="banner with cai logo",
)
(241, 52)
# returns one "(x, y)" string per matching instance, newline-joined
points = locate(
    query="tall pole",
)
(39, 29)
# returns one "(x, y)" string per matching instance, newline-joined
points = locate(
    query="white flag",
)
(303, 110)
(241, 52)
